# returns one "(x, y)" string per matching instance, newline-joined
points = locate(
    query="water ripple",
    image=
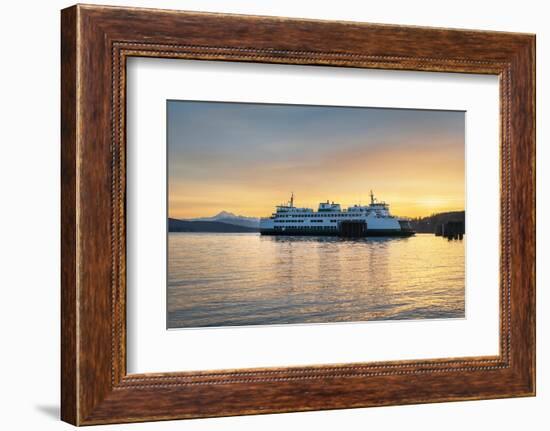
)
(247, 279)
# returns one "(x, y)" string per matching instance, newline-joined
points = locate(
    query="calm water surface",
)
(248, 279)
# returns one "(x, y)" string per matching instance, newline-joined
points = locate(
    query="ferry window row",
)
(307, 227)
(302, 221)
(350, 214)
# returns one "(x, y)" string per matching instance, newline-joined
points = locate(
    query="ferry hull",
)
(367, 233)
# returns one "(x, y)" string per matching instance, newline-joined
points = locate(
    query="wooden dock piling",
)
(452, 230)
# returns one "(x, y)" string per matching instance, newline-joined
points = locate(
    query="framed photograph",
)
(265, 215)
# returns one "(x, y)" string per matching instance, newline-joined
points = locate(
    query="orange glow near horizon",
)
(247, 161)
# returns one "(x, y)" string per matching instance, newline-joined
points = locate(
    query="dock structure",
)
(352, 229)
(451, 230)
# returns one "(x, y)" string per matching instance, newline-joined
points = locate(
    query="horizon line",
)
(259, 217)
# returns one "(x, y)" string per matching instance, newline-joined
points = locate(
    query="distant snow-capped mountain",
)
(230, 218)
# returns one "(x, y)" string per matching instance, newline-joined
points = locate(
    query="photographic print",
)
(301, 214)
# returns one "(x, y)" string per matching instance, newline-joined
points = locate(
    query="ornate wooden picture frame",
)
(96, 41)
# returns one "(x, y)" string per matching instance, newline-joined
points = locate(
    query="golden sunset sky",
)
(247, 158)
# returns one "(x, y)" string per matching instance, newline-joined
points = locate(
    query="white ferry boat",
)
(331, 220)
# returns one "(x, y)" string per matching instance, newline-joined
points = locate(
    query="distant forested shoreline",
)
(429, 224)
(175, 225)
(238, 225)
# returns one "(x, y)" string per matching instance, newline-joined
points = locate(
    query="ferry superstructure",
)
(331, 220)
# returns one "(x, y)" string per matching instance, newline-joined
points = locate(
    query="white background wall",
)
(29, 214)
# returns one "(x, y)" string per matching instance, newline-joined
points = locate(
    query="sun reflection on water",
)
(248, 279)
